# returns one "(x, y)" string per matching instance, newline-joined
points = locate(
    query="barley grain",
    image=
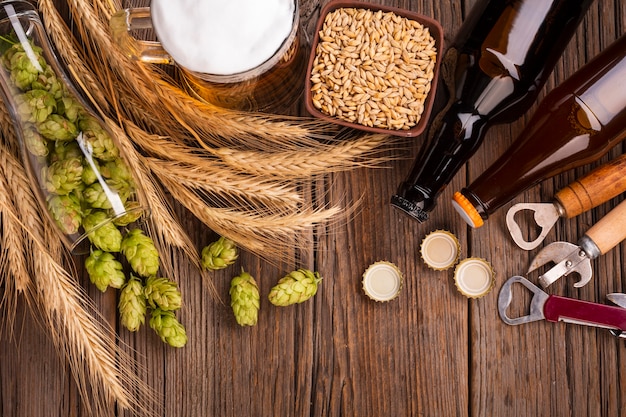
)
(373, 68)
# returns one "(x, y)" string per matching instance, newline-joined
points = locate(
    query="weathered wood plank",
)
(429, 352)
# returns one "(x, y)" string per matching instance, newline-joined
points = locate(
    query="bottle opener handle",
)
(610, 230)
(570, 310)
(599, 186)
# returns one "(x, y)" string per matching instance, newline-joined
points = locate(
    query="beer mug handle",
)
(127, 20)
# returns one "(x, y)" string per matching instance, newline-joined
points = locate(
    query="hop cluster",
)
(295, 287)
(90, 189)
(149, 291)
(78, 162)
(244, 299)
(219, 254)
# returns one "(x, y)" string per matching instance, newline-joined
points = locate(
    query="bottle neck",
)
(455, 139)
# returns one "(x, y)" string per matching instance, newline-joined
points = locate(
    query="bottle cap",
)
(467, 210)
(382, 281)
(440, 250)
(474, 277)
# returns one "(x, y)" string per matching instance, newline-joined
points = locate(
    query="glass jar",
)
(78, 173)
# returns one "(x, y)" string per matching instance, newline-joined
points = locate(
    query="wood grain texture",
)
(430, 352)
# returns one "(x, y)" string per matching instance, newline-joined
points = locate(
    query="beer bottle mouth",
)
(467, 210)
(415, 203)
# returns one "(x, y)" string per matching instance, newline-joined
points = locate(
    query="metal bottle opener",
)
(568, 258)
(555, 308)
(597, 187)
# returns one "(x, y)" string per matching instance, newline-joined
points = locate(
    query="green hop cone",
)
(102, 232)
(245, 299)
(116, 169)
(219, 254)
(104, 270)
(141, 253)
(98, 139)
(169, 329)
(295, 287)
(65, 150)
(63, 176)
(70, 108)
(132, 304)
(48, 81)
(133, 213)
(162, 293)
(24, 71)
(66, 211)
(89, 176)
(57, 127)
(36, 144)
(96, 197)
(36, 105)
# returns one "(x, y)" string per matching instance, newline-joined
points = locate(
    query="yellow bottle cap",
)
(440, 250)
(382, 281)
(474, 277)
(467, 210)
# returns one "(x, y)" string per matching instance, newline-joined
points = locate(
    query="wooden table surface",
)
(430, 352)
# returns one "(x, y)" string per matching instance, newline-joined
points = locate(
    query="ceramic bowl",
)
(351, 98)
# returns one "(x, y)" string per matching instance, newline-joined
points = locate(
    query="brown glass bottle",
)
(575, 124)
(500, 59)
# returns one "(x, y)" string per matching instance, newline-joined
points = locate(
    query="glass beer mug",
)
(242, 54)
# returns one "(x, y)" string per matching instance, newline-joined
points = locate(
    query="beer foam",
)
(222, 37)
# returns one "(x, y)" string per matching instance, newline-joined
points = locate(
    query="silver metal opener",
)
(555, 308)
(567, 257)
(597, 187)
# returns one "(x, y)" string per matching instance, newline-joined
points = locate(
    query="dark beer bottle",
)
(575, 124)
(500, 59)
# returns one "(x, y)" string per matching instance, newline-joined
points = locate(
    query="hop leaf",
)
(162, 293)
(104, 270)
(244, 299)
(63, 176)
(66, 211)
(141, 253)
(165, 324)
(295, 287)
(132, 304)
(102, 232)
(219, 254)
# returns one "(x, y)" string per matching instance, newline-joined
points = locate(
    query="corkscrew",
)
(567, 257)
(599, 186)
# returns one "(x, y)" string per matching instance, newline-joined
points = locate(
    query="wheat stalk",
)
(102, 371)
(244, 175)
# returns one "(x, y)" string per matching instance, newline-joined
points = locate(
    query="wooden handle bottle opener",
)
(599, 186)
(567, 257)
